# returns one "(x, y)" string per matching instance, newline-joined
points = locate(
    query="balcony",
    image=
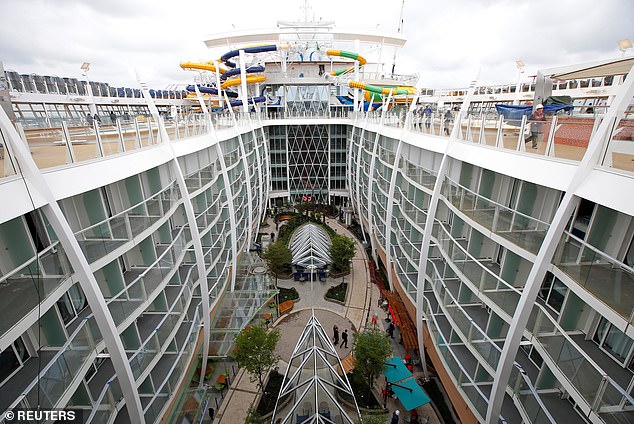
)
(609, 280)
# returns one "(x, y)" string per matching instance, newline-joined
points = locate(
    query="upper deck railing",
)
(561, 136)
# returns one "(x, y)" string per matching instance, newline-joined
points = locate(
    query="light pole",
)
(520, 70)
(624, 45)
(85, 67)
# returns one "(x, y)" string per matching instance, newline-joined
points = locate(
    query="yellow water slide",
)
(349, 55)
(208, 66)
(251, 79)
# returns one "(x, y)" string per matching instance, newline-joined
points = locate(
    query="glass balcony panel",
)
(22, 289)
(591, 268)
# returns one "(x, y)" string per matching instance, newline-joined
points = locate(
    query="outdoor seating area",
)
(400, 318)
(302, 275)
(310, 247)
(285, 307)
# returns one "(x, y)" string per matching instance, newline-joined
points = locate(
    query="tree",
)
(278, 257)
(255, 351)
(342, 250)
(371, 349)
(373, 419)
(253, 417)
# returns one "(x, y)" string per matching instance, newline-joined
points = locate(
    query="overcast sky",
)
(448, 40)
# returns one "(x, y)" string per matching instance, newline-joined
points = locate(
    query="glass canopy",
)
(237, 308)
(310, 247)
(315, 387)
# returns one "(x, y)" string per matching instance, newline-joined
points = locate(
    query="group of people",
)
(425, 116)
(91, 119)
(344, 337)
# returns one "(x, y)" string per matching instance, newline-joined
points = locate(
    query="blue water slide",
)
(233, 53)
(252, 100)
(211, 90)
(236, 71)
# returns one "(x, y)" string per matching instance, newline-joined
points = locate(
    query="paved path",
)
(361, 303)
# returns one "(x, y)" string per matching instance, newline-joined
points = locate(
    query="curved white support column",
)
(245, 164)
(358, 173)
(371, 179)
(193, 226)
(429, 225)
(592, 157)
(390, 197)
(33, 177)
(259, 160)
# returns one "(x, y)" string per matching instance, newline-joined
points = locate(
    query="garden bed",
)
(360, 390)
(337, 293)
(438, 399)
(271, 391)
(287, 294)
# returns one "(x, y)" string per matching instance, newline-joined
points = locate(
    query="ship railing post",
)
(150, 131)
(520, 137)
(550, 145)
(469, 135)
(137, 134)
(99, 153)
(481, 139)
(8, 157)
(498, 135)
(70, 155)
(121, 139)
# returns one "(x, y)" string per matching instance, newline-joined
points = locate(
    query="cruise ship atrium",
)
(131, 218)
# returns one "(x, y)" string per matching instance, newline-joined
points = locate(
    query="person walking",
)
(335, 331)
(344, 339)
(427, 112)
(448, 120)
(536, 121)
(390, 330)
(395, 417)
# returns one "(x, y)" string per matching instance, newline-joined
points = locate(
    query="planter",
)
(368, 411)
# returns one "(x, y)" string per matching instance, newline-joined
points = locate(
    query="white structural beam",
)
(34, 178)
(371, 177)
(429, 224)
(259, 164)
(390, 197)
(191, 221)
(357, 171)
(545, 254)
(247, 173)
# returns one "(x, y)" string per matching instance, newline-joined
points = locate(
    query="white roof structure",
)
(313, 377)
(310, 247)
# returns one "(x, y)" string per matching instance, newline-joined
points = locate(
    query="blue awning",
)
(395, 370)
(410, 394)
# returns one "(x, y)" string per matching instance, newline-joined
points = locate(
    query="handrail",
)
(600, 253)
(180, 354)
(53, 360)
(102, 394)
(459, 306)
(467, 254)
(167, 314)
(496, 203)
(37, 256)
(149, 267)
(459, 363)
(118, 215)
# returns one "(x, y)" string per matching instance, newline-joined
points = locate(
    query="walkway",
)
(355, 314)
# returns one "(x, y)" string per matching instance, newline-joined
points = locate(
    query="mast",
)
(400, 29)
